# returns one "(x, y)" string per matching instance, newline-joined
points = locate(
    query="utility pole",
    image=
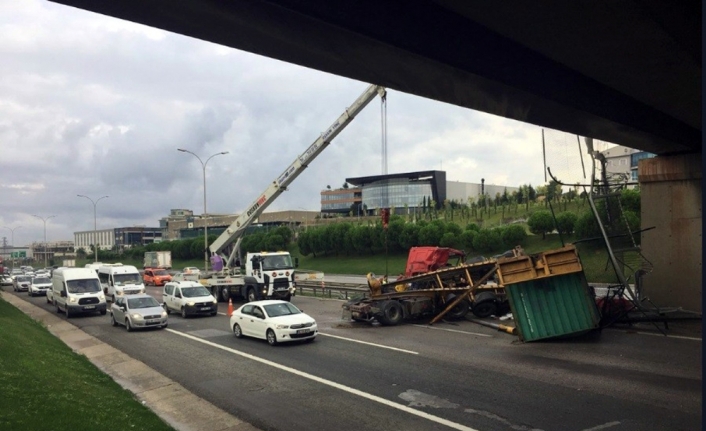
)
(95, 229)
(45, 235)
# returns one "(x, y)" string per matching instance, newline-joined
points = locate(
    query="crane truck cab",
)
(274, 274)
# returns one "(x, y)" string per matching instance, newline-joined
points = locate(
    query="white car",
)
(191, 270)
(39, 286)
(188, 298)
(273, 320)
(5, 280)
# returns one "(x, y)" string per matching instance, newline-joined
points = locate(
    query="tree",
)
(566, 222)
(540, 222)
(513, 235)
(345, 185)
(487, 240)
(586, 226)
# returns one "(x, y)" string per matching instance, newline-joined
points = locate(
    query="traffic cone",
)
(230, 307)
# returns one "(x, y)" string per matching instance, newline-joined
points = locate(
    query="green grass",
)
(46, 386)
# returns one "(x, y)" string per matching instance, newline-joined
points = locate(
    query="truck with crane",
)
(268, 275)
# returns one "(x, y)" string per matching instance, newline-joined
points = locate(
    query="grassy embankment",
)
(46, 386)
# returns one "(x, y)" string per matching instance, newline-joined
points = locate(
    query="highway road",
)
(414, 377)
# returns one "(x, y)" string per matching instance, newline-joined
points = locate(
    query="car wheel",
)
(214, 313)
(288, 298)
(183, 312)
(128, 326)
(112, 320)
(103, 312)
(251, 295)
(58, 310)
(68, 312)
(237, 331)
(165, 325)
(271, 337)
(166, 308)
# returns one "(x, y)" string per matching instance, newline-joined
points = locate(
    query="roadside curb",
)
(173, 403)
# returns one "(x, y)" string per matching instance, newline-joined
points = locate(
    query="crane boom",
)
(236, 230)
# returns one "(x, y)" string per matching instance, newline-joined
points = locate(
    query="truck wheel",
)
(459, 311)
(225, 294)
(251, 295)
(391, 313)
(485, 304)
(68, 312)
(288, 298)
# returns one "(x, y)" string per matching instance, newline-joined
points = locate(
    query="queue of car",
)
(80, 290)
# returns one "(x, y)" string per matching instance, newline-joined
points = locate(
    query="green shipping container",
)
(553, 307)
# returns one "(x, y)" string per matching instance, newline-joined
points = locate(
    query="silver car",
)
(21, 283)
(137, 311)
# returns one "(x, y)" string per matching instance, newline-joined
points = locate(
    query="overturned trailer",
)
(451, 291)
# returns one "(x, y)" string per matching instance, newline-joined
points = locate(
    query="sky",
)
(96, 106)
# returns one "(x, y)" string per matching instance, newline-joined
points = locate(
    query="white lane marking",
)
(223, 314)
(602, 427)
(335, 385)
(453, 330)
(370, 344)
(682, 337)
(502, 420)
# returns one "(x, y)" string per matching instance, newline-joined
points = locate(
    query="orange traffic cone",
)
(230, 307)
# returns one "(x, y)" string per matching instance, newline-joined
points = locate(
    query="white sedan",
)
(273, 320)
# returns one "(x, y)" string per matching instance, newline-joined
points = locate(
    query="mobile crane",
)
(271, 275)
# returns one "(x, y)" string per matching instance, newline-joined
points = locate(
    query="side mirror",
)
(63, 294)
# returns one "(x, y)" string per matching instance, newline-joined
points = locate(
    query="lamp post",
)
(95, 229)
(44, 219)
(205, 224)
(13, 242)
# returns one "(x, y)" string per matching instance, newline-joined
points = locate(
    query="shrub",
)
(566, 222)
(487, 240)
(540, 222)
(513, 235)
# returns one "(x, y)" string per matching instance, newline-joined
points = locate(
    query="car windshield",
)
(193, 292)
(41, 280)
(282, 261)
(282, 309)
(146, 302)
(24, 278)
(161, 272)
(126, 279)
(84, 286)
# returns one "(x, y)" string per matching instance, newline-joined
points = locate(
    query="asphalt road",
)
(413, 377)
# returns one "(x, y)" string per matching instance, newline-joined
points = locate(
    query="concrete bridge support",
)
(671, 201)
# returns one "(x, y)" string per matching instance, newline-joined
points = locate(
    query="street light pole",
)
(205, 222)
(45, 235)
(95, 229)
(13, 242)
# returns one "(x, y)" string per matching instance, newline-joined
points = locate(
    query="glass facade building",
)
(397, 190)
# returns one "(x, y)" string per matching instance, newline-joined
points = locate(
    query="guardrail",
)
(331, 290)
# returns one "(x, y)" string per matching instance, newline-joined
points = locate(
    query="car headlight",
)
(191, 303)
(215, 301)
(72, 299)
(164, 314)
(281, 326)
(101, 298)
(136, 316)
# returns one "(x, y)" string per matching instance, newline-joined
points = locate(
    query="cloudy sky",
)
(97, 106)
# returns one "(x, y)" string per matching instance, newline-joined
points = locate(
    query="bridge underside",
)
(627, 71)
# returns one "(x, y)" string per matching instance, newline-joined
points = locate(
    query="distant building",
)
(410, 189)
(624, 160)
(119, 237)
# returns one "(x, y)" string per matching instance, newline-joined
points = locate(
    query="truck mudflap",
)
(359, 311)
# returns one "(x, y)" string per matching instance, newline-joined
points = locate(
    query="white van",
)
(77, 290)
(118, 279)
(94, 266)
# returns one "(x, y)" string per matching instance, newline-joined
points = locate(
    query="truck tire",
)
(459, 311)
(485, 304)
(390, 313)
(224, 294)
(251, 296)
